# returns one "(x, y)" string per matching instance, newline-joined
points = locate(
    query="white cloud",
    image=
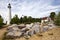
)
(34, 8)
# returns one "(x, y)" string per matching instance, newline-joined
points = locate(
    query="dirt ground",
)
(2, 31)
(53, 34)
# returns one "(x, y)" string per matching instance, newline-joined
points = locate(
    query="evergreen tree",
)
(29, 19)
(25, 19)
(21, 20)
(15, 20)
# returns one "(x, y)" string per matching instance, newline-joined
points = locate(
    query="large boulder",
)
(34, 29)
(14, 31)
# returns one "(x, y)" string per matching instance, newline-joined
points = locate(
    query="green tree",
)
(15, 20)
(21, 20)
(57, 19)
(29, 19)
(25, 19)
(1, 21)
(52, 15)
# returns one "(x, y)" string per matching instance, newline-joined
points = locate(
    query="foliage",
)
(28, 20)
(52, 15)
(1, 21)
(15, 20)
(21, 20)
(25, 19)
(57, 19)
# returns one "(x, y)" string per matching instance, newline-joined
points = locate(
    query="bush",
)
(52, 15)
(1, 21)
(57, 19)
(15, 20)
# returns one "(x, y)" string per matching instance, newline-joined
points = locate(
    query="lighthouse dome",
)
(9, 5)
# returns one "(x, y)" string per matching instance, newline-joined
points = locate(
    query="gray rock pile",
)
(26, 30)
(18, 30)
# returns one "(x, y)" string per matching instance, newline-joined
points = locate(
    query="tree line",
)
(25, 19)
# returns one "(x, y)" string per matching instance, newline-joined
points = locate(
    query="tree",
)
(29, 19)
(52, 15)
(25, 19)
(15, 20)
(21, 20)
(1, 21)
(57, 19)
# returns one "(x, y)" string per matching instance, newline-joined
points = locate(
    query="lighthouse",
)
(9, 14)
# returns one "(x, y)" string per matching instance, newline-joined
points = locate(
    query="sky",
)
(34, 8)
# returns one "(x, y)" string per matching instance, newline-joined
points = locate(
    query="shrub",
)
(1, 21)
(57, 19)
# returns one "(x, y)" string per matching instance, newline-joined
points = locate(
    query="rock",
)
(45, 28)
(17, 34)
(21, 26)
(51, 26)
(10, 34)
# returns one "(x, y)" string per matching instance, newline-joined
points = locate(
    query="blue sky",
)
(34, 8)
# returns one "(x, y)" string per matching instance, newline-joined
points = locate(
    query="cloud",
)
(34, 8)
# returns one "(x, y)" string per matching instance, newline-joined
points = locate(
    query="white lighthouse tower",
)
(9, 14)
